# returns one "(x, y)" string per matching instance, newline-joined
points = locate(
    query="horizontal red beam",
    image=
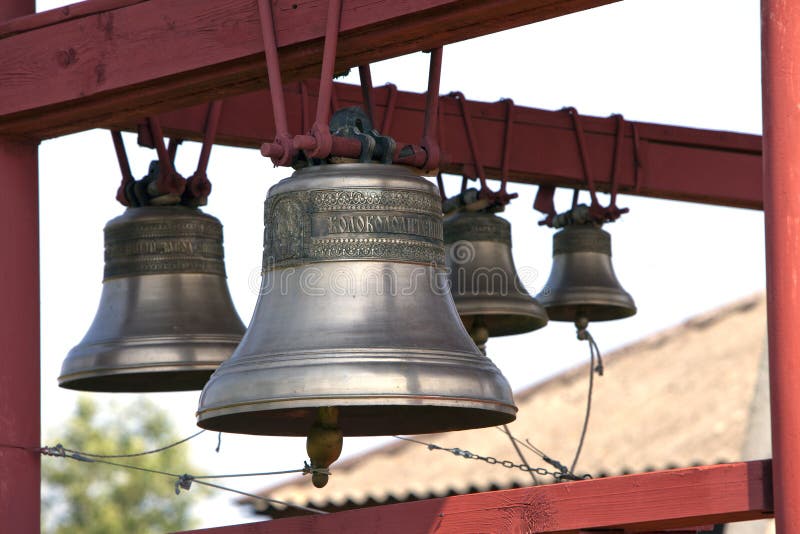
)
(647, 502)
(110, 60)
(675, 163)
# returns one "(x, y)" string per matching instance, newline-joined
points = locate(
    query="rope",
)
(555, 463)
(519, 452)
(265, 499)
(594, 354)
(133, 455)
(183, 481)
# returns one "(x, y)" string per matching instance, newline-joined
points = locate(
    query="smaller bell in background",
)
(582, 284)
(165, 320)
(489, 295)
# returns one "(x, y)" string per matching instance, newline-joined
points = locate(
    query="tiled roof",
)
(677, 398)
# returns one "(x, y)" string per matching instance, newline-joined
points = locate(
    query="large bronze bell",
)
(489, 296)
(355, 332)
(582, 283)
(165, 320)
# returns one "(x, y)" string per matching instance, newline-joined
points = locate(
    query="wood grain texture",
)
(159, 55)
(677, 163)
(647, 502)
(61, 14)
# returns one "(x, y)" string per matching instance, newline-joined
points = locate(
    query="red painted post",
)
(19, 337)
(780, 21)
(19, 324)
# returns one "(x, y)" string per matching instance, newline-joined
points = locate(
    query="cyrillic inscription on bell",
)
(165, 320)
(354, 329)
(488, 293)
(582, 283)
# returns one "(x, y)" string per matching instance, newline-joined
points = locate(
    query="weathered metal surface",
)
(165, 319)
(484, 282)
(354, 313)
(582, 283)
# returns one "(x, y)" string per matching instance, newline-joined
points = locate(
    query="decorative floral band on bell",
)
(161, 240)
(352, 224)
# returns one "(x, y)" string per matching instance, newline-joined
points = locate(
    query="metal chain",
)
(491, 460)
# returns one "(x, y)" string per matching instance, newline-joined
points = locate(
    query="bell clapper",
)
(324, 443)
(479, 333)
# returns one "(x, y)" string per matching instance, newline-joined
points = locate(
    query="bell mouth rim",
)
(482, 412)
(593, 303)
(506, 319)
(140, 379)
(594, 313)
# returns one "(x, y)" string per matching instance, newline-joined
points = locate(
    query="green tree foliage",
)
(93, 498)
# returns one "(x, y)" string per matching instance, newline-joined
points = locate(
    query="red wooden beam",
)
(635, 503)
(134, 58)
(19, 326)
(676, 163)
(780, 55)
(19, 337)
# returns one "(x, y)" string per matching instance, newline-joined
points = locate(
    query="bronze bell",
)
(582, 283)
(354, 332)
(165, 320)
(489, 296)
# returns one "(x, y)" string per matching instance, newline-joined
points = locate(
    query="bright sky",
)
(685, 62)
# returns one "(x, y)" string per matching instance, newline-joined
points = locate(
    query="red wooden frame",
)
(19, 326)
(105, 62)
(19, 337)
(73, 73)
(676, 163)
(673, 499)
(780, 54)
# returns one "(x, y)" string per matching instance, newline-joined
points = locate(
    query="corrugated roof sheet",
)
(677, 398)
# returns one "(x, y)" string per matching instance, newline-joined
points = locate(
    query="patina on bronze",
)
(488, 293)
(354, 315)
(165, 319)
(582, 283)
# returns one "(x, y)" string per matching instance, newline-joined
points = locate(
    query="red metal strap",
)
(506, 149)
(391, 102)
(501, 197)
(169, 182)
(319, 142)
(198, 187)
(430, 139)
(638, 163)
(367, 96)
(124, 167)
(172, 149)
(440, 183)
(545, 203)
(584, 154)
(473, 147)
(334, 100)
(599, 213)
(280, 150)
(304, 125)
